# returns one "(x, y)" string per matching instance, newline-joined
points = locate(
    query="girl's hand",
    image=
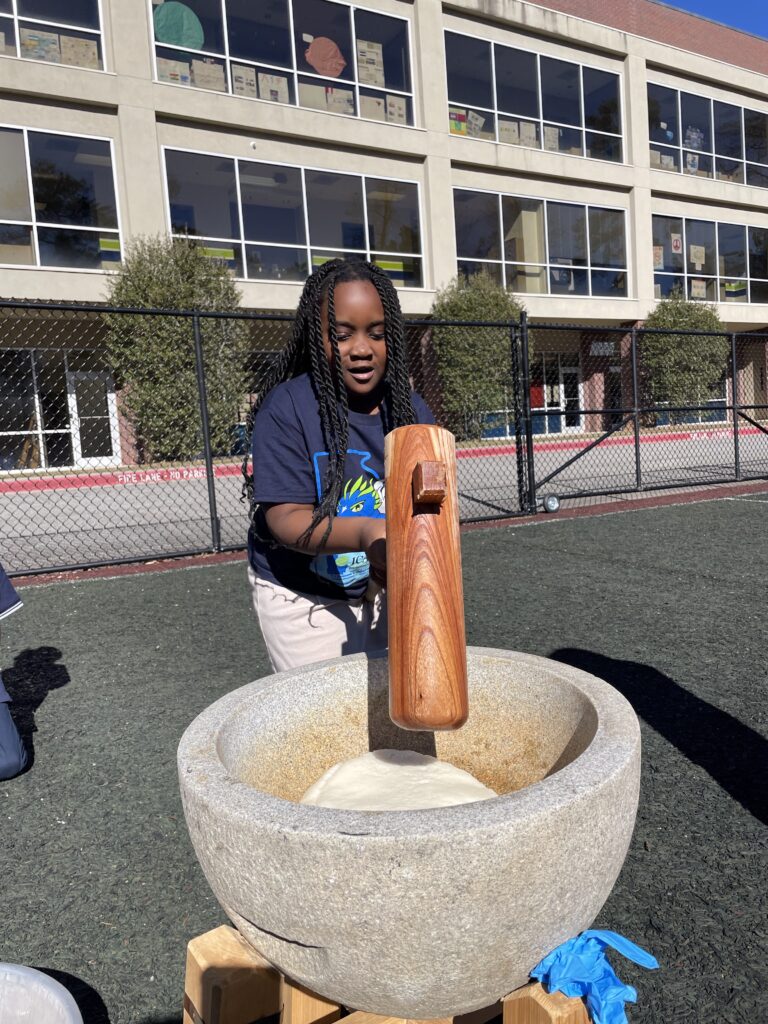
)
(373, 535)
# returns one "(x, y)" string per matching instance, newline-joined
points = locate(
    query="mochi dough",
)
(395, 780)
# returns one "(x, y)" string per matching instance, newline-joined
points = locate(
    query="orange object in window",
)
(325, 57)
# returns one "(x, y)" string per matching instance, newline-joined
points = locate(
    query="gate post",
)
(735, 395)
(530, 505)
(636, 410)
(203, 396)
(517, 408)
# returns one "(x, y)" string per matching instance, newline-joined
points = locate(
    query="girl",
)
(316, 545)
(13, 754)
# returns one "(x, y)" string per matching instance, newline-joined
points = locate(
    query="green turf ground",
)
(101, 887)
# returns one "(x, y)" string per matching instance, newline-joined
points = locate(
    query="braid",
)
(305, 353)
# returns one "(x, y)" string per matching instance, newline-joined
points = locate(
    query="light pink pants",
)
(299, 629)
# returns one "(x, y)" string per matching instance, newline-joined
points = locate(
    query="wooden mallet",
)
(425, 599)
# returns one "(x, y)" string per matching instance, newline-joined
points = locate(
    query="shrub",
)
(153, 357)
(682, 370)
(474, 363)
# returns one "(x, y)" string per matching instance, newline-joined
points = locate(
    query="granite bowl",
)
(415, 914)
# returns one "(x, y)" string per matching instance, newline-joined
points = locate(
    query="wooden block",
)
(227, 981)
(429, 483)
(301, 1006)
(532, 1005)
(480, 1016)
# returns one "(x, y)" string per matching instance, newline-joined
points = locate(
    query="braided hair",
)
(305, 353)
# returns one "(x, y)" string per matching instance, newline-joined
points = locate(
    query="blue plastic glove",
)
(579, 967)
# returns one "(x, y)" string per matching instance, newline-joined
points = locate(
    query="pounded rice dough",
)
(395, 780)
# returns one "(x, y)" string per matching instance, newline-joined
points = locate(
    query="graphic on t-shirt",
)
(362, 495)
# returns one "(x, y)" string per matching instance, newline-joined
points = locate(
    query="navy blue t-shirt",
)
(289, 464)
(9, 602)
(9, 599)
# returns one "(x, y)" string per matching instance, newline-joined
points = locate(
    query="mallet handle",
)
(425, 599)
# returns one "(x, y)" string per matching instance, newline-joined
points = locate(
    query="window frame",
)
(712, 154)
(719, 279)
(99, 34)
(308, 247)
(292, 73)
(540, 121)
(34, 223)
(547, 266)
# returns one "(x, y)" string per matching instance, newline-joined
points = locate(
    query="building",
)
(589, 155)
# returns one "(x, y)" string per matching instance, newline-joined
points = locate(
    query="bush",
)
(683, 370)
(474, 363)
(153, 357)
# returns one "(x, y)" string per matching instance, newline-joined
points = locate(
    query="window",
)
(50, 31)
(56, 409)
(271, 222)
(322, 54)
(70, 218)
(710, 261)
(539, 246)
(494, 91)
(714, 140)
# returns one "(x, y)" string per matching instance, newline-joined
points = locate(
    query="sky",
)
(748, 15)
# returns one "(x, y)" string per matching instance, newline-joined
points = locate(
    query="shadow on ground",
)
(723, 746)
(89, 1002)
(29, 680)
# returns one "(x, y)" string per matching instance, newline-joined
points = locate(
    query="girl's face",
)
(362, 347)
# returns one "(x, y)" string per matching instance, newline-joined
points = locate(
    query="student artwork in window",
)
(551, 138)
(692, 163)
(178, 72)
(698, 288)
(397, 109)
(373, 107)
(177, 24)
(39, 45)
(340, 101)
(208, 74)
(324, 56)
(475, 123)
(694, 138)
(658, 257)
(697, 256)
(509, 132)
(528, 134)
(667, 161)
(370, 63)
(274, 88)
(244, 81)
(83, 53)
(676, 244)
(457, 119)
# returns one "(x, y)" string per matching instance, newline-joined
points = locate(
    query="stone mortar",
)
(418, 914)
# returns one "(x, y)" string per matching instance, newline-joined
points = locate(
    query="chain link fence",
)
(622, 410)
(122, 432)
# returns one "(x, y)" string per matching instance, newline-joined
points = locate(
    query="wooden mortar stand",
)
(425, 599)
(228, 982)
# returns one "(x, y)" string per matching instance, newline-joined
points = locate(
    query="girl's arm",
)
(288, 522)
